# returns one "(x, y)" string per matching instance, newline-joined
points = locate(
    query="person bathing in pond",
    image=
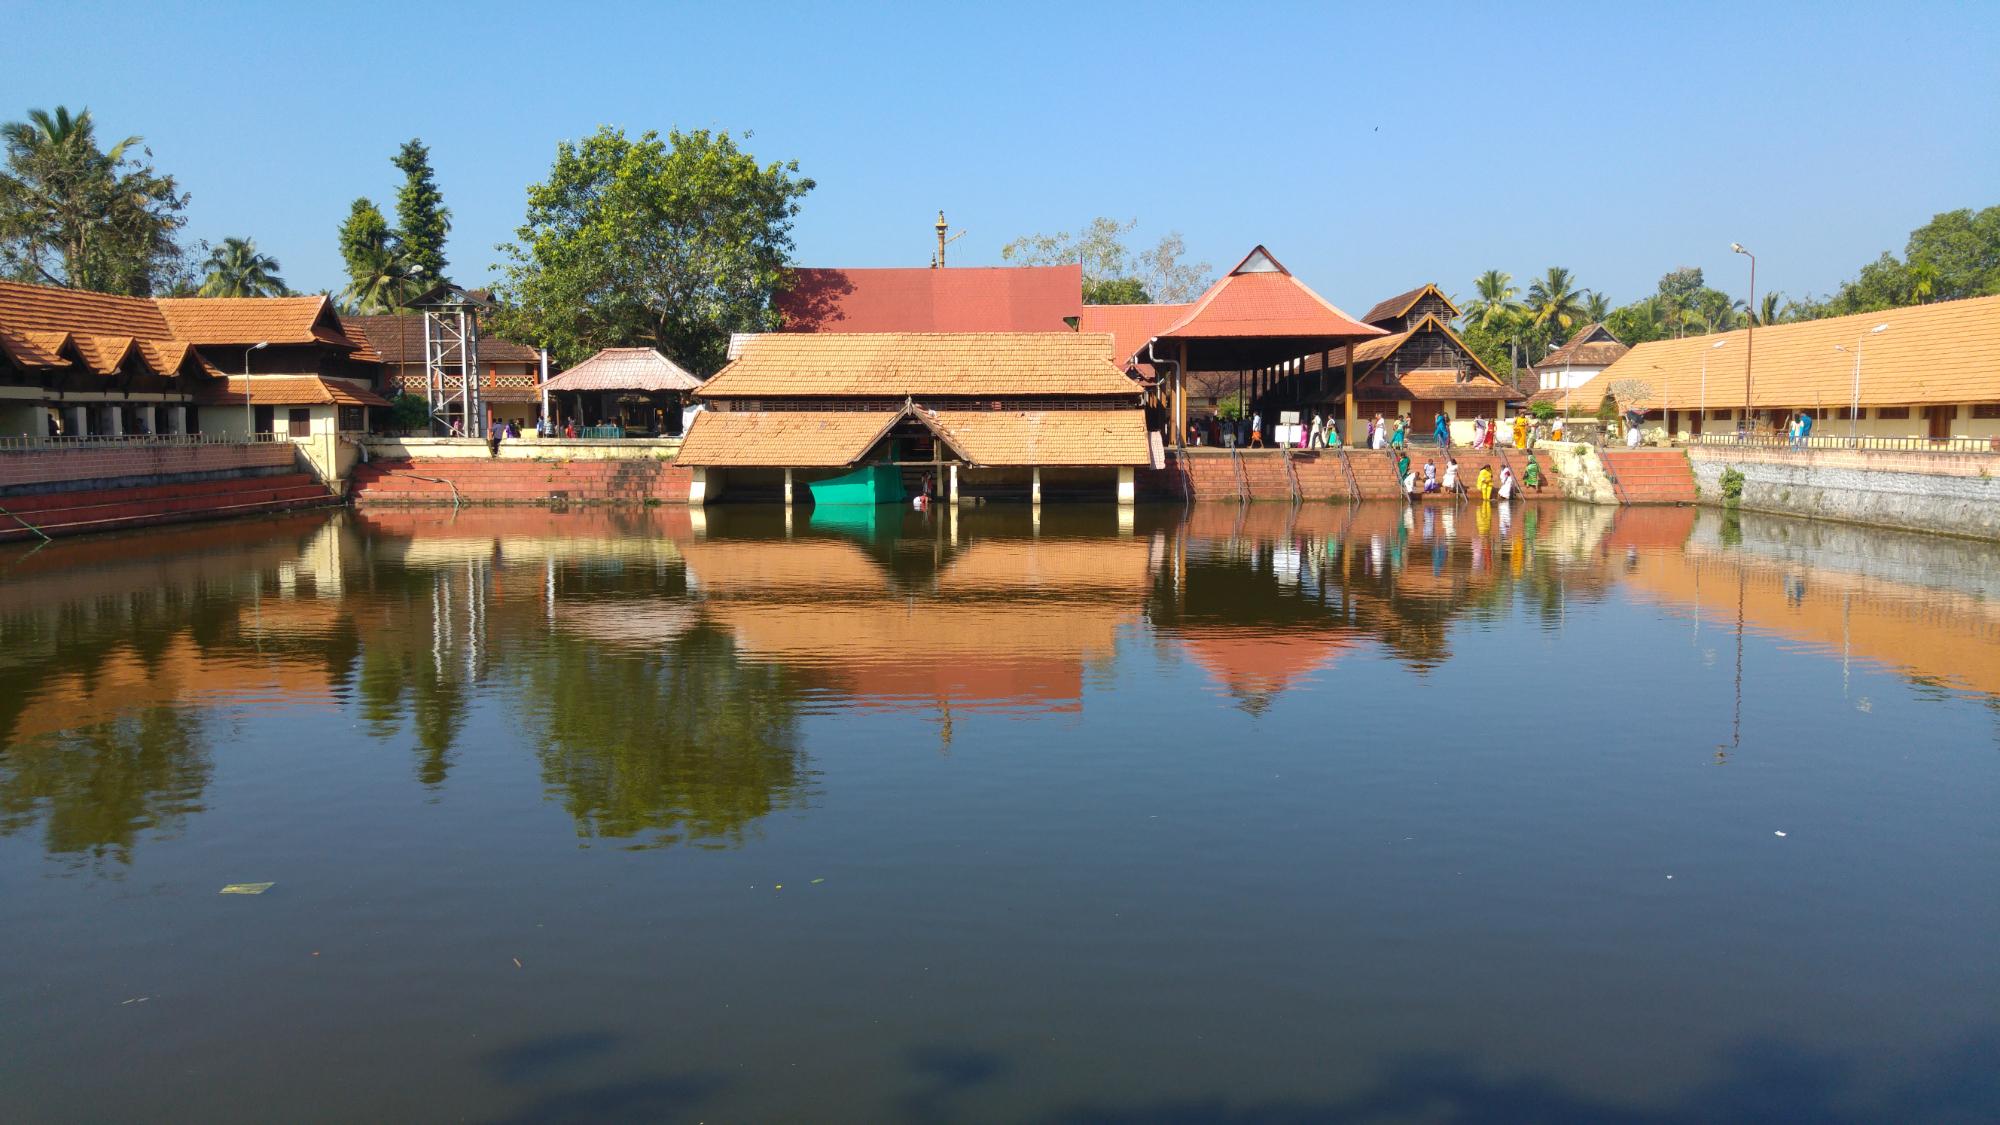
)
(1430, 477)
(1532, 476)
(1403, 465)
(1506, 483)
(1486, 482)
(1452, 487)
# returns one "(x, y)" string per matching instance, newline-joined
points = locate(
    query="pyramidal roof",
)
(1261, 298)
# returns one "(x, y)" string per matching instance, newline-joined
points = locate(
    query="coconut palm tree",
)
(1494, 300)
(1596, 307)
(1770, 310)
(74, 214)
(387, 280)
(1555, 302)
(236, 269)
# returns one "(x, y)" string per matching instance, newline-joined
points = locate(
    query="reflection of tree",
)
(96, 788)
(396, 679)
(689, 744)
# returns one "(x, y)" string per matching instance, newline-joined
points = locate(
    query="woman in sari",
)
(1486, 482)
(1532, 477)
(1506, 482)
(1520, 431)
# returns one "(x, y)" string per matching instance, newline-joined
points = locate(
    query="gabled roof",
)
(904, 364)
(625, 369)
(1402, 303)
(1260, 297)
(954, 299)
(1592, 346)
(50, 309)
(251, 320)
(1371, 354)
(1130, 327)
(1947, 352)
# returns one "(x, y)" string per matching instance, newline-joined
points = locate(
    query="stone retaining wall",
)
(112, 464)
(525, 448)
(1953, 493)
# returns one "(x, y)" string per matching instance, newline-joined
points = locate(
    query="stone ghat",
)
(85, 510)
(519, 481)
(1319, 476)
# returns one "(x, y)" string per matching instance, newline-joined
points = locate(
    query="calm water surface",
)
(1571, 814)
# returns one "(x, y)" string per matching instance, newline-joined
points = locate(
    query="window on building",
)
(1892, 412)
(351, 419)
(298, 422)
(1986, 410)
(1720, 415)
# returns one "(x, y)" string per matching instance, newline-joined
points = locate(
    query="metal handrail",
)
(1840, 441)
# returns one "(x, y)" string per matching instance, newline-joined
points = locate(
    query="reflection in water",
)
(662, 672)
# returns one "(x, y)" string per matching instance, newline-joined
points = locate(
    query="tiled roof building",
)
(96, 364)
(988, 403)
(1926, 372)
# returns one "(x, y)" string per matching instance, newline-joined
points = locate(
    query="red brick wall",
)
(114, 461)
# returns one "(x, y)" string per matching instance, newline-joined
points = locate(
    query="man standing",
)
(1256, 431)
(494, 433)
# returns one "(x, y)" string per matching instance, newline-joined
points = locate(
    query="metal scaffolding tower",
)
(451, 359)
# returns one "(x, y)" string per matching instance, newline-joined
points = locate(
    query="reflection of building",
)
(1007, 622)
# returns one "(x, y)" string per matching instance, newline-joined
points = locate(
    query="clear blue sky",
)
(1372, 148)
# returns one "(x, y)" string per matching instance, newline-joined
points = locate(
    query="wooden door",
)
(1941, 418)
(299, 422)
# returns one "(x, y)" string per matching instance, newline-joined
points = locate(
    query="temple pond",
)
(1249, 814)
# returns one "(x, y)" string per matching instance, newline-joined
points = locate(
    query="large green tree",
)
(380, 277)
(1955, 255)
(1555, 301)
(237, 269)
(422, 220)
(76, 214)
(671, 243)
(1495, 301)
(1113, 274)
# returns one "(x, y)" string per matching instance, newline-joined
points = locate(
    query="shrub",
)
(409, 412)
(1732, 487)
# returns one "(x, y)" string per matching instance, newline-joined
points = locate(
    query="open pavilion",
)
(638, 390)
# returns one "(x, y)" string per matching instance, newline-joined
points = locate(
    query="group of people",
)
(1486, 484)
(1800, 429)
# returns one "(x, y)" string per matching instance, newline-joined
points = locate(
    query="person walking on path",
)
(1401, 436)
(1442, 430)
(1478, 432)
(494, 433)
(1520, 431)
(1256, 431)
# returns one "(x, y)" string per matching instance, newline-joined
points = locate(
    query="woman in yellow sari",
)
(1520, 431)
(1486, 482)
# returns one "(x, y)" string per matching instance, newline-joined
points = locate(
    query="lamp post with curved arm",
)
(249, 411)
(1854, 407)
(1750, 332)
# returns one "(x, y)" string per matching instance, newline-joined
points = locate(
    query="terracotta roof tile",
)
(288, 390)
(958, 299)
(1948, 352)
(1047, 437)
(1130, 326)
(1369, 356)
(1261, 298)
(104, 354)
(243, 320)
(898, 365)
(770, 438)
(47, 308)
(35, 349)
(399, 339)
(625, 369)
(1592, 346)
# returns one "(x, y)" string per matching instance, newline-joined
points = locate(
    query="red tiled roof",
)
(903, 364)
(399, 338)
(1260, 297)
(288, 390)
(1129, 326)
(956, 299)
(625, 369)
(1592, 346)
(49, 309)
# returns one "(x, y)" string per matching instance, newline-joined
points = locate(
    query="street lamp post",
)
(1854, 406)
(1749, 332)
(249, 411)
(1704, 376)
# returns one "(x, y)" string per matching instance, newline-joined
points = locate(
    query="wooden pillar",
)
(1347, 431)
(1180, 396)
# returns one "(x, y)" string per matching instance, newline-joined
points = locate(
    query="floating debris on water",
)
(246, 888)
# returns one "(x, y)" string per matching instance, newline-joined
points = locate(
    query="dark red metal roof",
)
(1261, 298)
(957, 299)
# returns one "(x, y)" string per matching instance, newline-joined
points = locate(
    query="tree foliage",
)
(75, 214)
(1955, 255)
(422, 220)
(237, 269)
(380, 277)
(669, 243)
(1112, 273)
